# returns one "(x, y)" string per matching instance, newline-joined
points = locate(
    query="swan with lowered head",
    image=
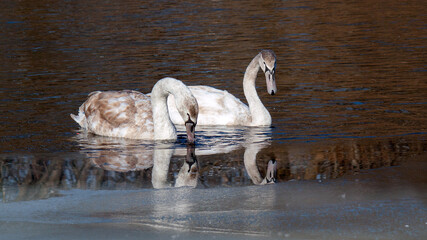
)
(131, 114)
(218, 107)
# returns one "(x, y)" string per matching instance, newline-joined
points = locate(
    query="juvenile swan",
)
(131, 114)
(218, 107)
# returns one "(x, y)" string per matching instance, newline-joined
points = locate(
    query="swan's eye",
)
(266, 68)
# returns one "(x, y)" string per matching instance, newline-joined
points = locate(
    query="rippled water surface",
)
(351, 78)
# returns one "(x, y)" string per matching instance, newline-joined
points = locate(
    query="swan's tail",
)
(80, 119)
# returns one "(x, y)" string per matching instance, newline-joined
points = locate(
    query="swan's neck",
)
(259, 114)
(161, 160)
(249, 159)
(163, 126)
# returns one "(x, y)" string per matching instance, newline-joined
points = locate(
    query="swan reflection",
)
(129, 155)
(116, 154)
(226, 166)
(256, 140)
(187, 175)
(38, 176)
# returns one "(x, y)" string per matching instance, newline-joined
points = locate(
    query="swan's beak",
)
(190, 127)
(271, 172)
(191, 155)
(189, 172)
(271, 82)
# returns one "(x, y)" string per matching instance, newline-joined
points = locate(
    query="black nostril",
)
(272, 92)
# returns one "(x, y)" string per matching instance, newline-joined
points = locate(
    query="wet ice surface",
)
(386, 203)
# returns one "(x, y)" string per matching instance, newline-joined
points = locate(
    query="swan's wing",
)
(119, 114)
(216, 107)
(217, 102)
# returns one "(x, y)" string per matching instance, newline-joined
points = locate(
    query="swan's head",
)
(190, 127)
(267, 62)
(189, 110)
(270, 176)
(189, 173)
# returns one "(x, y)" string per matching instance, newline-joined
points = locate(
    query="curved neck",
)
(259, 114)
(163, 126)
(161, 160)
(249, 160)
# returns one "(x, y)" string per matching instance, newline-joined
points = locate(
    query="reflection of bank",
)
(37, 176)
(330, 159)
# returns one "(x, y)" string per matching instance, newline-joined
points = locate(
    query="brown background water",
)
(351, 78)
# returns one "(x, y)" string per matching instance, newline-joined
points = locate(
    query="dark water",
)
(351, 78)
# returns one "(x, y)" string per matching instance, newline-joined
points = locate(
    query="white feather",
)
(218, 107)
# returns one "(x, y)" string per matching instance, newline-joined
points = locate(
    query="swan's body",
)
(218, 107)
(131, 114)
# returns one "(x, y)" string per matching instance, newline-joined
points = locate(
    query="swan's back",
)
(117, 114)
(216, 107)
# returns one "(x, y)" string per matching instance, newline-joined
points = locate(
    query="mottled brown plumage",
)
(131, 114)
(119, 114)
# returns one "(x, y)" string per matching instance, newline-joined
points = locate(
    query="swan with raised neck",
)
(218, 107)
(266, 60)
(131, 114)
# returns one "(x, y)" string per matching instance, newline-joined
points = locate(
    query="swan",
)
(187, 175)
(131, 114)
(252, 169)
(256, 140)
(218, 107)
